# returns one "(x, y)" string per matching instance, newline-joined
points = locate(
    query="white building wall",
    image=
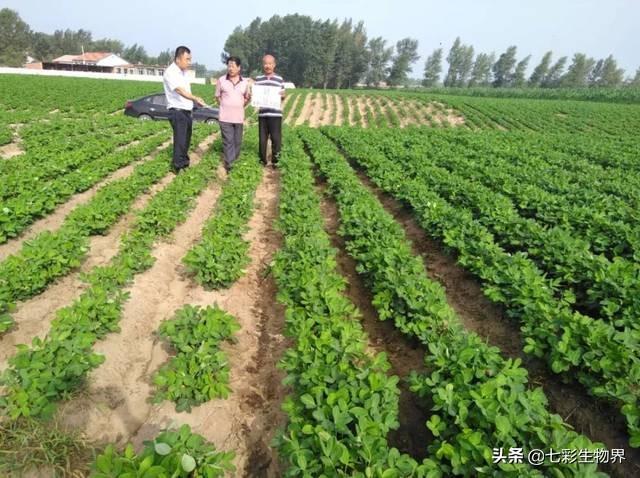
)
(112, 60)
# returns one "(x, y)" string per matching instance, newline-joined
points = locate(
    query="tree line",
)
(17, 40)
(322, 53)
(332, 54)
(484, 70)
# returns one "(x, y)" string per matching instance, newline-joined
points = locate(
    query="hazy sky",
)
(595, 27)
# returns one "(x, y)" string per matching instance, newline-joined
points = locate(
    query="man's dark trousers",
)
(231, 142)
(181, 123)
(270, 126)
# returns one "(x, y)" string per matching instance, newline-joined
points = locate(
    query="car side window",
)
(160, 100)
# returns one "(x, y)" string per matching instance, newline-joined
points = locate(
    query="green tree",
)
(432, 69)
(70, 42)
(610, 75)
(320, 54)
(308, 52)
(350, 59)
(466, 65)
(15, 38)
(595, 73)
(135, 54)
(553, 76)
(326, 56)
(519, 79)
(481, 73)
(107, 45)
(379, 58)
(238, 44)
(578, 73)
(357, 55)
(164, 58)
(406, 55)
(503, 68)
(540, 71)
(460, 59)
(41, 47)
(454, 58)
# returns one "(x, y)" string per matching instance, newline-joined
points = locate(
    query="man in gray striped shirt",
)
(269, 119)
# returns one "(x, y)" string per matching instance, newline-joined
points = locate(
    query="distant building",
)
(101, 62)
(101, 65)
(380, 84)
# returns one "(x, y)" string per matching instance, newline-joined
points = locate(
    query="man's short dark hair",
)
(181, 50)
(234, 59)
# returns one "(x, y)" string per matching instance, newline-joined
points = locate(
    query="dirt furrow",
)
(315, 119)
(290, 119)
(307, 109)
(55, 219)
(586, 414)
(116, 406)
(33, 317)
(339, 110)
(404, 355)
(362, 107)
(329, 108)
(353, 105)
(401, 112)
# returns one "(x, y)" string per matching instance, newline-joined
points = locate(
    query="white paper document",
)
(266, 97)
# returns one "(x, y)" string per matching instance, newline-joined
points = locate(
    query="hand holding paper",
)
(266, 96)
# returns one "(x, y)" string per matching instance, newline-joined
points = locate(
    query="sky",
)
(594, 27)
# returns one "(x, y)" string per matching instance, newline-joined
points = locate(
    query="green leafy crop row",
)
(53, 367)
(590, 350)
(220, 257)
(172, 454)
(479, 399)
(199, 372)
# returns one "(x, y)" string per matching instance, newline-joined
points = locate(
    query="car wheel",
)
(211, 121)
(144, 117)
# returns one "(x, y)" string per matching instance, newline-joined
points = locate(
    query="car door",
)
(159, 107)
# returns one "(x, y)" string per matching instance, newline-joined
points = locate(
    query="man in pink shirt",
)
(232, 94)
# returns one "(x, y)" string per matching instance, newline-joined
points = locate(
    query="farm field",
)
(425, 282)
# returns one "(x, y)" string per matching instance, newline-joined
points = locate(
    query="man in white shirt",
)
(177, 89)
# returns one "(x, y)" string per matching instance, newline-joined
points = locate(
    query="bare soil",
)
(339, 110)
(362, 107)
(116, 404)
(352, 106)
(55, 219)
(329, 109)
(307, 109)
(290, 119)
(33, 317)
(317, 112)
(10, 150)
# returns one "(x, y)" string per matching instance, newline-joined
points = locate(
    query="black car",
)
(155, 107)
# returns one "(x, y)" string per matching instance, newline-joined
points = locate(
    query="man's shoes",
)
(176, 170)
